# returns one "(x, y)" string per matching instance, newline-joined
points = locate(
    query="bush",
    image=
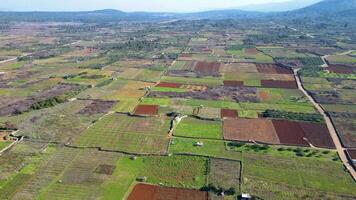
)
(312, 117)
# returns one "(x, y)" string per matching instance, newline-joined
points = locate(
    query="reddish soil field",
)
(152, 192)
(251, 51)
(97, 106)
(169, 85)
(233, 83)
(258, 130)
(279, 84)
(341, 69)
(264, 96)
(317, 134)
(272, 69)
(207, 68)
(290, 133)
(227, 113)
(147, 110)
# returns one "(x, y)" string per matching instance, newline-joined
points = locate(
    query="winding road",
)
(340, 149)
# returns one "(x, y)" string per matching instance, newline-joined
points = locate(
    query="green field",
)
(196, 128)
(120, 132)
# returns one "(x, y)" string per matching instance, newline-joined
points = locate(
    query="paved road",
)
(331, 128)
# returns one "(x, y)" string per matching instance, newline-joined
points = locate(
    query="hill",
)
(280, 6)
(327, 8)
(337, 9)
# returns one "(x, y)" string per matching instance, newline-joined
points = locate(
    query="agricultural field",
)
(176, 110)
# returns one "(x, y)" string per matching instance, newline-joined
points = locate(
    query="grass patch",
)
(173, 171)
(192, 127)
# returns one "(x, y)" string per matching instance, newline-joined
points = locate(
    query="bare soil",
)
(272, 69)
(152, 192)
(169, 85)
(341, 69)
(146, 110)
(256, 130)
(233, 83)
(317, 134)
(228, 113)
(207, 68)
(251, 51)
(290, 133)
(279, 84)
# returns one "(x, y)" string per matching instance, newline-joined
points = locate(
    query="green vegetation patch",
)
(173, 171)
(197, 128)
(126, 133)
(311, 117)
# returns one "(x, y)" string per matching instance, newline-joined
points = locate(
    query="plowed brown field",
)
(279, 84)
(259, 130)
(290, 133)
(272, 69)
(227, 113)
(233, 83)
(169, 85)
(152, 192)
(146, 110)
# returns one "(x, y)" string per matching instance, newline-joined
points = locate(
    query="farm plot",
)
(251, 51)
(215, 148)
(172, 171)
(236, 94)
(233, 83)
(272, 69)
(56, 124)
(341, 69)
(207, 68)
(168, 85)
(206, 112)
(303, 133)
(228, 113)
(120, 132)
(80, 178)
(197, 128)
(290, 133)
(279, 84)
(58, 91)
(274, 177)
(146, 110)
(132, 89)
(258, 130)
(97, 106)
(346, 128)
(341, 59)
(152, 192)
(224, 173)
(239, 68)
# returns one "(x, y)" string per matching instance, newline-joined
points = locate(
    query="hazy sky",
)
(125, 5)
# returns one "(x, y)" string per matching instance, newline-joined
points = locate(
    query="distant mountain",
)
(328, 8)
(222, 14)
(279, 7)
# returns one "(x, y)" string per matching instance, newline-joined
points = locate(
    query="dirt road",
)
(331, 128)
